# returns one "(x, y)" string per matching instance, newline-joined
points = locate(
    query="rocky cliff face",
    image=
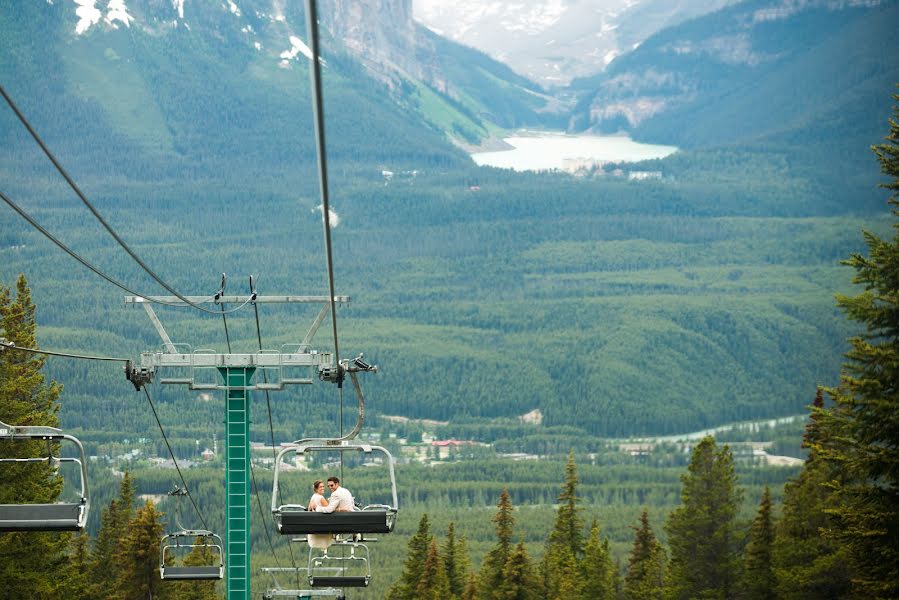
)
(383, 36)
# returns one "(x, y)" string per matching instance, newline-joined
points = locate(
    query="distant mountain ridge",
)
(144, 69)
(554, 41)
(763, 71)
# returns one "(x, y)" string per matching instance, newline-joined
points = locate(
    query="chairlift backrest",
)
(55, 516)
(293, 519)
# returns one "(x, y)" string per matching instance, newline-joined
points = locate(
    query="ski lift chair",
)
(294, 519)
(278, 591)
(342, 564)
(57, 516)
(176, 543)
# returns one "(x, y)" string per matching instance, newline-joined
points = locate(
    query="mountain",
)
(187, 86)
(763, 72)
(552, 42)
(614, 306)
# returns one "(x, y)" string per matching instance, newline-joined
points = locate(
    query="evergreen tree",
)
(864, 422)
(105, 553)
(417, 554)
(568, 527)
(26, 558)
(565, 545)
(702, 530)
(75, 582)
(519, 581)
(139, 577)
(598, 569)
(491, 574)
(456, 561)
(646, 566)
(471, 587)
(433, 583)
(807, 564)
(759, 582)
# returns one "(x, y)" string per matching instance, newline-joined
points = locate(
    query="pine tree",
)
(491, 574)
(568, 528)
(103, 575)
(75, 581)
(702, 531)
(417, 554)
(807, 564)
(565, 545)
(646, 566)
(139, 578)
(26, 399)
(433, 584)
(518, 579)
(598, 569)
(456, 561)
(471, 588)
(759, 582)
(863, 425)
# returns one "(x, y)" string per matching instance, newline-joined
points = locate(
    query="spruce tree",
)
(758, 572)
(807, 564)
(103, 572)
(565, 545)
(75, 581)
(863, 425)
(702, 530)
(26, 558)
(491, 574)
(568, 528)
(597, 568)
(645, 579)
(417, 554)
(433, 583)
(139, 578)
(519, 581)
(471, 588)
(456, 561)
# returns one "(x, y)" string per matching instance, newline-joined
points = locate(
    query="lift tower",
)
(233, 373)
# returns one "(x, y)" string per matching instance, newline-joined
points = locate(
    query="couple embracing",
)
(339, 500)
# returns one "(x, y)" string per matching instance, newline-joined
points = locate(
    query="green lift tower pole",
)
(237, 370)
(237, 480)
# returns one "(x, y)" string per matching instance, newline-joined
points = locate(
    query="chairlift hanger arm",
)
(236, 299)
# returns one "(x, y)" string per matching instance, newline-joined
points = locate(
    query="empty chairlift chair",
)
(57, 516)
(279, 590)
(175, 547)
(343, 564)
(294, 519)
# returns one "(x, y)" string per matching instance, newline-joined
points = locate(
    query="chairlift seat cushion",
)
(338, 582)
(358, 521)
(200, 572)
(41, 517)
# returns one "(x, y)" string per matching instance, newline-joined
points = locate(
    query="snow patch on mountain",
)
(89, 15)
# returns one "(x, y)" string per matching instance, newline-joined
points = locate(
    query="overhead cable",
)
(271, 429)
(174, 460)
(72, 253)
(90, 206)
(6, 344)
(318, 111)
